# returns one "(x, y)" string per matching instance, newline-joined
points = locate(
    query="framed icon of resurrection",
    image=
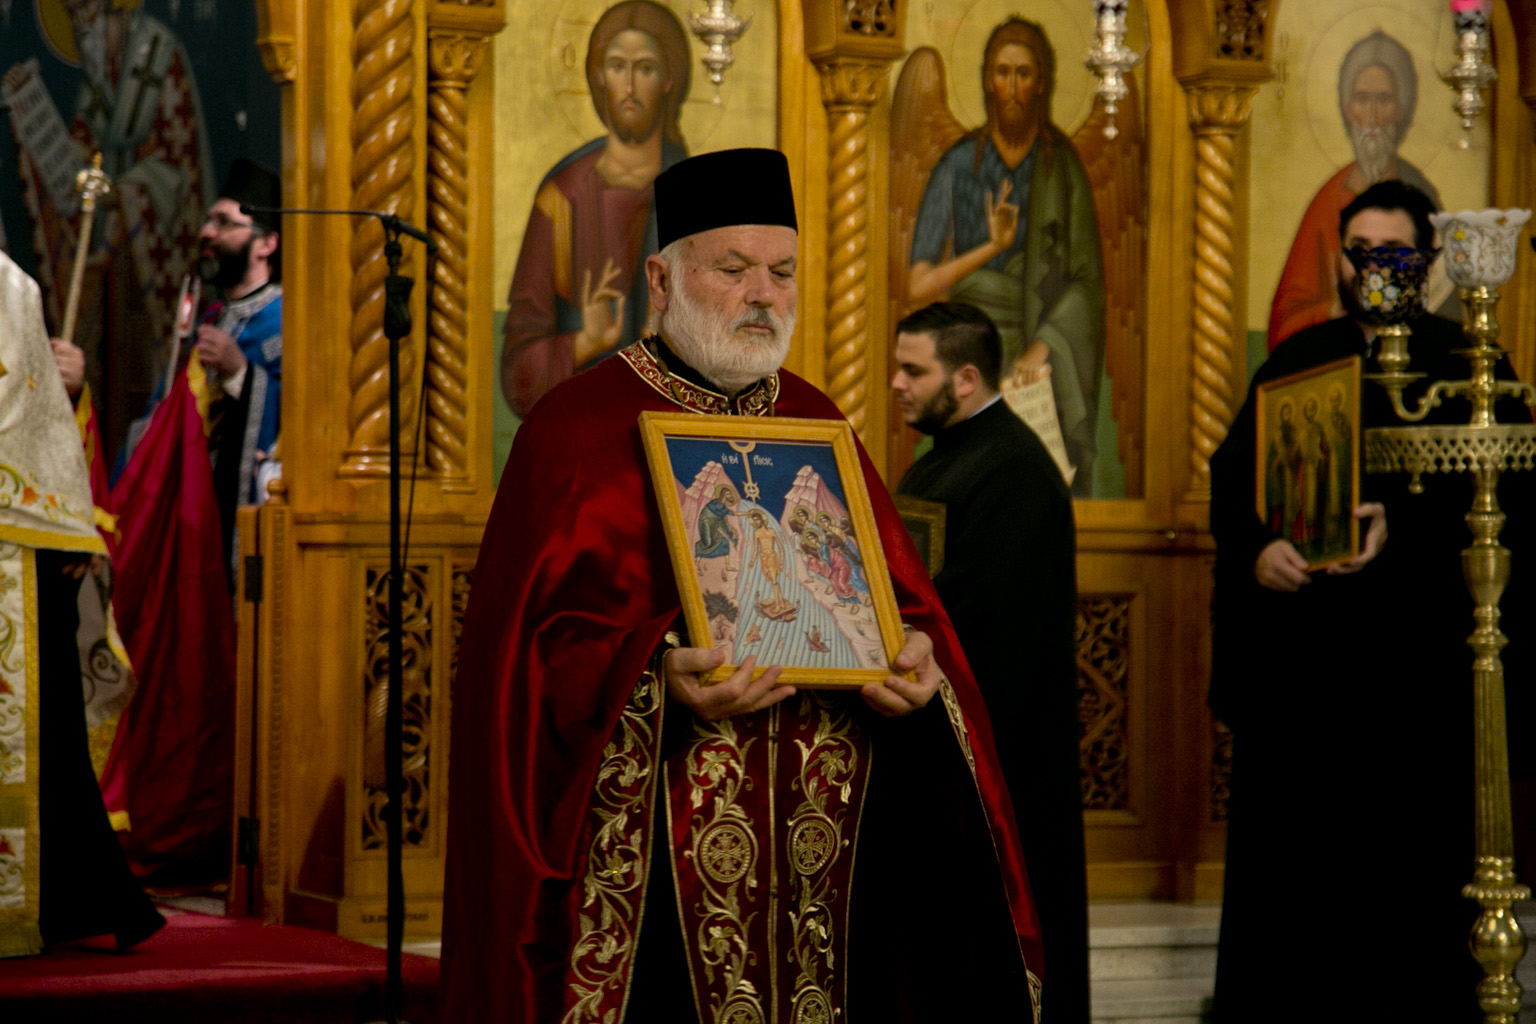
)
(1307, 482)
(774, 545)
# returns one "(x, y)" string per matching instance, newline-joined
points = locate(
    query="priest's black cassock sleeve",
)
(1009, 584)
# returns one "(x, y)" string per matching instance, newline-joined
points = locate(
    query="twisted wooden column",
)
(1216, 114)
(384, 36)
(848, 89)
(455, 59)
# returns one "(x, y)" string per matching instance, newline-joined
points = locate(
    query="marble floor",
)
(1154, 962)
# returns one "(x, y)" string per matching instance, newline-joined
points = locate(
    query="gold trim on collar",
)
(758, 400)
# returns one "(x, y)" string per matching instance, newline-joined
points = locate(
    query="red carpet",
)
(209, 969)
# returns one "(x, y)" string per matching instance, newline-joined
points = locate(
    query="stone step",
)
(1129, 963)
(1152, 940)
(1152, 962)
(1150, 1001)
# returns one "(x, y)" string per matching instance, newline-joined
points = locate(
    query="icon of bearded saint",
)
(1377, 98)
(138, 105)
(1054, 224)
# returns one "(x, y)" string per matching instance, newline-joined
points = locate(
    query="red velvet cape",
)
(573, 591)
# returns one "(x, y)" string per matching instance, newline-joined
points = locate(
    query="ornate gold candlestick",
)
(1480, 250)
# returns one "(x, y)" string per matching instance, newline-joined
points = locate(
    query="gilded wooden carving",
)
(870, 17)
(463, 578)
(848, 89)
(276, 38)
(455, 60)
(381, 180)
(275, 527)
(1216, 113)
(1103, 671)
(1240, 29)
(416, 625)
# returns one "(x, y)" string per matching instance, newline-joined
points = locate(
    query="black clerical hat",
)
(251, 184)
(723, 189)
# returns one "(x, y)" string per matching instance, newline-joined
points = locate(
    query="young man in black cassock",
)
(1349, 697)
(1009, 584)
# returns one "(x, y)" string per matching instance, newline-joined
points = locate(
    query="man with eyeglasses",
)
(240, 341)
(1347, 690)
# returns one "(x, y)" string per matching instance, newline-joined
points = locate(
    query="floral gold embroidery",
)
(957, 721)
(755, 401)
(725, 853)
(830, 782)
(17, 490)
(614, 887)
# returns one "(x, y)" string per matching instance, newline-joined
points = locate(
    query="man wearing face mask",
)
(240, 342)
(1348, 689)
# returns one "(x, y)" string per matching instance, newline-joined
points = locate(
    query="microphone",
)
(389, 220)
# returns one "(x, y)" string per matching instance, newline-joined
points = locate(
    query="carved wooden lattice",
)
(1240, 26)
(416, 691)
(870, 17)
(1103, 699)
(463, 576)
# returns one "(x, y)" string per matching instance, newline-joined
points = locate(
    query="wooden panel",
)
(1143, 639)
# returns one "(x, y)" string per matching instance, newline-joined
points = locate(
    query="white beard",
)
(710, 343)
(91, 42)
(1375, 150)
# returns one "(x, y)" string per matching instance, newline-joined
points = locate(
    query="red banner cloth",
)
(171, 765)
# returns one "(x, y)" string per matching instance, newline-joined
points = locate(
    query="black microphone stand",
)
(397, 327)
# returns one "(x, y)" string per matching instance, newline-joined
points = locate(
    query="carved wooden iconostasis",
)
(419, 107)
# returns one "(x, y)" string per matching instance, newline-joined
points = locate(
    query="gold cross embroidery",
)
(3, 370)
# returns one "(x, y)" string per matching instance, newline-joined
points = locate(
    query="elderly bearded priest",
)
(596, 784)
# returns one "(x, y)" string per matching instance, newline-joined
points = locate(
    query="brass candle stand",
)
(1480, 250)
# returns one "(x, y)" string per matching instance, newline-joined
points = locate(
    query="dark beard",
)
(225, 269)
(635, 126)
(933, 416)
(1012, 123)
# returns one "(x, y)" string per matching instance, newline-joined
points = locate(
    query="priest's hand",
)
(71, 363)
(1280, 567)
(899, 695)
(1375, 538)
(219, 352)
(686, 668)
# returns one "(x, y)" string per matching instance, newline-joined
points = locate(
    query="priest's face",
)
(1371, 229)
(225, 244)
(726, 301)
(924, 388)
